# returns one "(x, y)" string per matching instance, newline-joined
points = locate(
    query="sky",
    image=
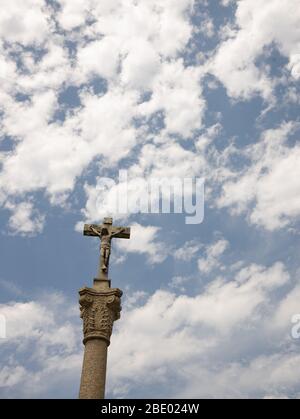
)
(160, 88)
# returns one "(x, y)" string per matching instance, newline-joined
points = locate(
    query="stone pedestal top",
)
(99, 309)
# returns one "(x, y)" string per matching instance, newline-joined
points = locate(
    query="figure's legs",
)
(103, 260)
(106, 259)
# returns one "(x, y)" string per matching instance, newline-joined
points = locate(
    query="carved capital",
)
(99, 310)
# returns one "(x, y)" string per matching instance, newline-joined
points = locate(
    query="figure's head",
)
(108, 221)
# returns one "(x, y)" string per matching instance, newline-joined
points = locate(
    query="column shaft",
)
(100, 307)
(94, 370)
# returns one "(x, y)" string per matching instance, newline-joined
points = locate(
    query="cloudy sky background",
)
(160, 88)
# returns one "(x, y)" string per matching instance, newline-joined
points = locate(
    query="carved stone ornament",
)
(106, 232)
(99, 310)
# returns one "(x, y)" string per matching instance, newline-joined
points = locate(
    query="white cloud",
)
(25, 118)
(232, 339)
(144, 241)
(155, 162)
(23, 21)
(208, 337)
(167, 160)
(177, 283)
(105, 124)
(139, 32)
(7, 68)
(206, 27)
(44, 349)
(134, 46)
(294, 66)
(140, 66)
(11, 287)
(25, 219)
(219, 340)
(43, 73)
(99, 58)
(213, 253)
(188, 251)
(164, 24)
(24, 320)
(264, 377)
(10, 376)
(288, 307)
(73, 13)
(259, 24)
(226, 3)
(269, 189)
(52, 156)
(177, 93)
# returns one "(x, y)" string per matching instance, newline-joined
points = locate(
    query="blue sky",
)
(160, 88)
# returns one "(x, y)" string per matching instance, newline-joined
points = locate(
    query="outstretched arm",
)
(118, 232)
(96, 232)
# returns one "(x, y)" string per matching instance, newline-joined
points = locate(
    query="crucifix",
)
(100, 307)
(106, 232)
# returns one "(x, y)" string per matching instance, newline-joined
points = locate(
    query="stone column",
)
(100, 306)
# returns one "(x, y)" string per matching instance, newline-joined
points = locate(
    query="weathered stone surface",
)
(100, 307)
(93, 376)
(106, 232)
(99, 310)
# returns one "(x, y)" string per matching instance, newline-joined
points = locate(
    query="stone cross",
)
(106, 232)
(100, 307)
